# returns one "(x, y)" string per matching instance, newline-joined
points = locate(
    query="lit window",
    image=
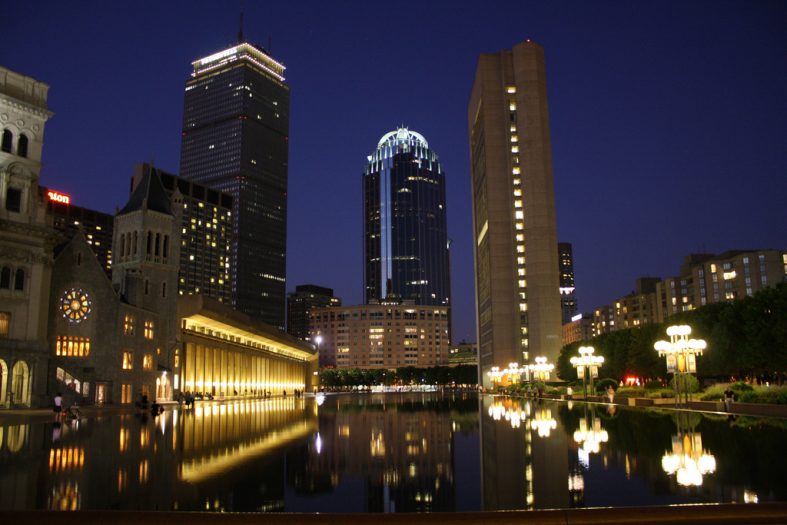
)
(519, 226)
(515, 170)
(147, 362)
(518, 203)
(517, 182)
(520, 237)
(519, 214)
(72, 346)
(520, 249)
(520, 260)
(148, 329)
(523, 307)
(511, 89)
(514, 138)
(128, 325)
(512, 106)
(517, 192)
(521, 272)
(128, 361)
(515, 149)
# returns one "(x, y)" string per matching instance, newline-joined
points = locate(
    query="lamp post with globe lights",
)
(587, 365)
(541, 370)
(681, 356)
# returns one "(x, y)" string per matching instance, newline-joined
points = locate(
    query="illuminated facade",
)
(95, 225)
(382, 335)
(406, 248)
(235, 133)
(205, 242)
(301, 302)
(515, 230)
(226, 353)
(568, 295)
(579, 328)
(26, 241)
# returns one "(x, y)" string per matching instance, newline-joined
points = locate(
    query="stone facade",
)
(26, 241)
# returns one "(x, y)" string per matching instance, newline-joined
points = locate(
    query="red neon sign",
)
(56, 196)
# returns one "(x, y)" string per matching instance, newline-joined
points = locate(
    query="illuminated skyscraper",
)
(235, 133)
(568, 295)
(406, 252)
(514, 225)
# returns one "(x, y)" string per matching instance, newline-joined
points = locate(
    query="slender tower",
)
(406, 249)
(514, 225)
(235, 140)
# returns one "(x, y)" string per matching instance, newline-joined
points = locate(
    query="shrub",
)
(741, 387)
(653, 385)
(776, 396)
(631, 391)
(661, 393)
(687, 381)
(602, 385)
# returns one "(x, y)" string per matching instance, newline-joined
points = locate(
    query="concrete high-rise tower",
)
(406, 248)
(235, 133)
(514, 225)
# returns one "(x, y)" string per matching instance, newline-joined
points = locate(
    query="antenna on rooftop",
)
(240, 30)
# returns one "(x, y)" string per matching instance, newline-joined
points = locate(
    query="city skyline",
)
(649, 109)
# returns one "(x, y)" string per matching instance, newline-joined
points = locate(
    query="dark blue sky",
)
(668, 119)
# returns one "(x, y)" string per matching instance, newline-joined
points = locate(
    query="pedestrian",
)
(610, 393)
(729, 397)
(58, 408)
(569, 393)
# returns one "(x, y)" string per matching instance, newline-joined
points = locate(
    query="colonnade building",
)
(226, 353)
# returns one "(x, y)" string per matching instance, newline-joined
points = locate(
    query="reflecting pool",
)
(424, 452)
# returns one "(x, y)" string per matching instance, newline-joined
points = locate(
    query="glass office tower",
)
(406, 247)
(235, 132)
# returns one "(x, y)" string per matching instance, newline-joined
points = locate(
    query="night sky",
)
(668, 119)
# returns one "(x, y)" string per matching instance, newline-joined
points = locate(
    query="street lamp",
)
(681, 355)
(688, 460)
(495, 375)
(587, 365)
(541, 370)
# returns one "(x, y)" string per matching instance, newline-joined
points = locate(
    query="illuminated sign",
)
(576, 318)
(56, 196)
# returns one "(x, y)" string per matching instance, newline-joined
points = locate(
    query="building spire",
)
(240, 30)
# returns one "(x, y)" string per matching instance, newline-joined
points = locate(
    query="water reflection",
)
(389, 453)
(688, 461)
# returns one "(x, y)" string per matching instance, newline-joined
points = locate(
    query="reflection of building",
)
(385, 335)
(226, 353)
(514, 225)
(235, 133)
(401, 451)
(26, 241)
(301, 302)
(568, 294)
(514, 476)
(96, 226)
(206, 228)
(405, 239)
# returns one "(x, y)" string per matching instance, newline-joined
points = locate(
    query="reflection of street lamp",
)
(688, 460)
(543, 422)
(541, 370)
(681, 355)
(587, 365)
(590, 436)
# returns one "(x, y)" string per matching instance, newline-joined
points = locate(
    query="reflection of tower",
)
(514, 476)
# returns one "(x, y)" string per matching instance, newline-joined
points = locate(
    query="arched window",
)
(134, 244)
(21, 149)
(164, 289)
(158, 244)
(166, 246)
(150, 241)
(19, 280)
(8, 140)
(123, 245)
(5, 278)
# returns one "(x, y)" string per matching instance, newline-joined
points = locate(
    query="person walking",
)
(611, 394)
(569, 393)
(58, 408)
(729, 397)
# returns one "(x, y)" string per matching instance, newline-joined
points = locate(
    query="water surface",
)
(424, 452)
